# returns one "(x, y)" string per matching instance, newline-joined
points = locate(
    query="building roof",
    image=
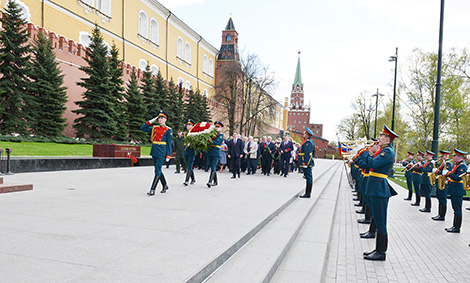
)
(298, 75)
(230, 25)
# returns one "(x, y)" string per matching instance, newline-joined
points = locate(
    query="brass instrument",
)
(441, 182)
(466, 181)
(432, 178)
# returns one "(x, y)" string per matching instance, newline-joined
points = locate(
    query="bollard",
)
(1, 163)
(8, 151)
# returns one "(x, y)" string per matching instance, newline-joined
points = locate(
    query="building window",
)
(84, 38)
(188, 85)
(24, 10)
(205, 63)
(228, 38)
(143, 24)
(101, 7)
(205, 93)
(179, 48)
(187, 53)
(154, 31)
(104, 7)
(211, 67)
(143, 64)
(154, 70)
(181, 81)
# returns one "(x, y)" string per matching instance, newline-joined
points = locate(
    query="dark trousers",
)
(285, 165)
(409, 184)
(252, 165)
(180, 161)
(456, 204)
(267, 162)
(417, 187)
(378, 207)
(426, 190)
(235, 165)
(442, 196)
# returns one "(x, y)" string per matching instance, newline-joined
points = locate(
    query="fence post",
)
(8, 151)
(1, 163)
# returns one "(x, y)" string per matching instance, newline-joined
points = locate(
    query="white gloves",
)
(444, 172)
(153, 120)
(167, 159)
(433, 161)
(468, 169)
(434, 170)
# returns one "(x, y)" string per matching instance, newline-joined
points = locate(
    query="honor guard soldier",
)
(407, 163)
(417, 177)
(378, 189)
(427, 169)
(189, 155)
(160, 136)
(441, 192)
(213, 154)
(306, 155)
(456, 190)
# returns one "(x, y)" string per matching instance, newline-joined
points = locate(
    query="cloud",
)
(174, 4)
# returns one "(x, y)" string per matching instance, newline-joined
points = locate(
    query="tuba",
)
(432, 178)
(441, 182)
(466, 181)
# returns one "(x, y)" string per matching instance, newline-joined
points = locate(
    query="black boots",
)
(164, 184)
(193, 179)
(367, 216)
(427, 207)
(308, 191)
(457, 225)
(215, 182)
(442, 213)
(418, 200)
(211, 178)
(410, 194)
(380, 248)
(154, 185)
(371, 233)
(189, 174)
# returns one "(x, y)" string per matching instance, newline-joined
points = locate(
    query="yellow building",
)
(144, 31)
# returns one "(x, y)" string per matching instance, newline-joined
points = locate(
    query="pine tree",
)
(163, 92)
(204, 111)
(118, 94)
(50, 95)
(14, 72)
(150, 95)
(97, 107)
(135, 111)
(175, 106)
(190, 108)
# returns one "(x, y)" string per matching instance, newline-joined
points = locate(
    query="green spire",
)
(298, 75)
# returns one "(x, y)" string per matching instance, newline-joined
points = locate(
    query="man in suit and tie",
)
(286, 148)
(235, 153)
(268, 151)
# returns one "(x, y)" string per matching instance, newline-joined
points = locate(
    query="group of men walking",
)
(423, 173)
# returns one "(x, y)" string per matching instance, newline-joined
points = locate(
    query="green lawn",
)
(54, 149)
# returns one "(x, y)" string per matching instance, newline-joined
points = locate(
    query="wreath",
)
(200, 136)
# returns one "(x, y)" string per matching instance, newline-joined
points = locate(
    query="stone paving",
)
(419, 249)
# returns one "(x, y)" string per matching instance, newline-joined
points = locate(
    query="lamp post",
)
(376, 102)
(394, 58)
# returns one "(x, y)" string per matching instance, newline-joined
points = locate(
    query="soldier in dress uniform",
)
(213, 154)
(160, 136)
(456, 190)
(442, 194)
(189, 155)
(426, 170)
(378, 189)
(306, 155)
(407, 163)
(417, 177)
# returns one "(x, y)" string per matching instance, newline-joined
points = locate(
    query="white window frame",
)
(179, 48)
(101, 6)
(205, 64)
(181, 80)
(188, 85)
(84, 38)
(154, 32)
(187, 52)
(143, 64)
(205, 92)
(154, 69)
(143, 24)
(24, 9)
(211, 67)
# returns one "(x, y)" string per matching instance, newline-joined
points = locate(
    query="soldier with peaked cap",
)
(189, 155)
(442, 194)
(407, 163)
(417, 177)
(456, 190)
(306, 156)
(160, 136)
(380, 164)
(213, 154)
(426, 170)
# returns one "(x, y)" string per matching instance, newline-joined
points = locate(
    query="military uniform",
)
(160, 136)
(409, 175)
(306, 161)
(417, 179)
(213, 155)
(179, 158)
(189, 156)
(426, 171)
(456, 190)
(442, 194)
(379, 191)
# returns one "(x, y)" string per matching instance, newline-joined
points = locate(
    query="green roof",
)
(298, 75)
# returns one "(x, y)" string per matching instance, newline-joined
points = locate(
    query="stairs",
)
(13, 187)
(292, 233)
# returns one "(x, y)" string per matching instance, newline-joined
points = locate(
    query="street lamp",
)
(394, 58)
(376, 102)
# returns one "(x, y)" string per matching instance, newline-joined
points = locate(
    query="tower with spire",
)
(298, 117)
(229, 48)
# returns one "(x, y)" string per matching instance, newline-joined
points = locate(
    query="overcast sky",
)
(344, 44)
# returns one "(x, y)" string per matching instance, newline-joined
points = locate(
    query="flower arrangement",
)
(134, 159)
(200, 136)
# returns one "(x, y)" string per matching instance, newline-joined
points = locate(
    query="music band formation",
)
(369, 172)
(278, 154)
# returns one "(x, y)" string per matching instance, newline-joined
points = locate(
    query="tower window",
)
(228, 38)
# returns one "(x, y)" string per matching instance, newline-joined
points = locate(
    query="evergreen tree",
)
(50, 95)
(162, 90)
(118, 94)
(135, 111)
(97, 113)
(150, 95)
(204, 111)
(15, 100)
(175, 106)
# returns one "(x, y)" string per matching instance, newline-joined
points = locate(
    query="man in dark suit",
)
(268, 151)
(235, 152)
(286, 148)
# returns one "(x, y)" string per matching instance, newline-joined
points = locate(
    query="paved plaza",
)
(100, 226)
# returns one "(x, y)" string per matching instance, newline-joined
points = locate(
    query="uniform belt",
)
(159, 142)
(378, 175)
(301, 153)
(418, 173)
(456, 181)
(365, 174)
(215, 145)
(356, 166)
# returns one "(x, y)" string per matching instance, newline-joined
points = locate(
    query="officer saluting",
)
(213, 154)
(160, 136)
(378, 190)
(306, 155)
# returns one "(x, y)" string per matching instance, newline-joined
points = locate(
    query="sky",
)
(345, 44)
